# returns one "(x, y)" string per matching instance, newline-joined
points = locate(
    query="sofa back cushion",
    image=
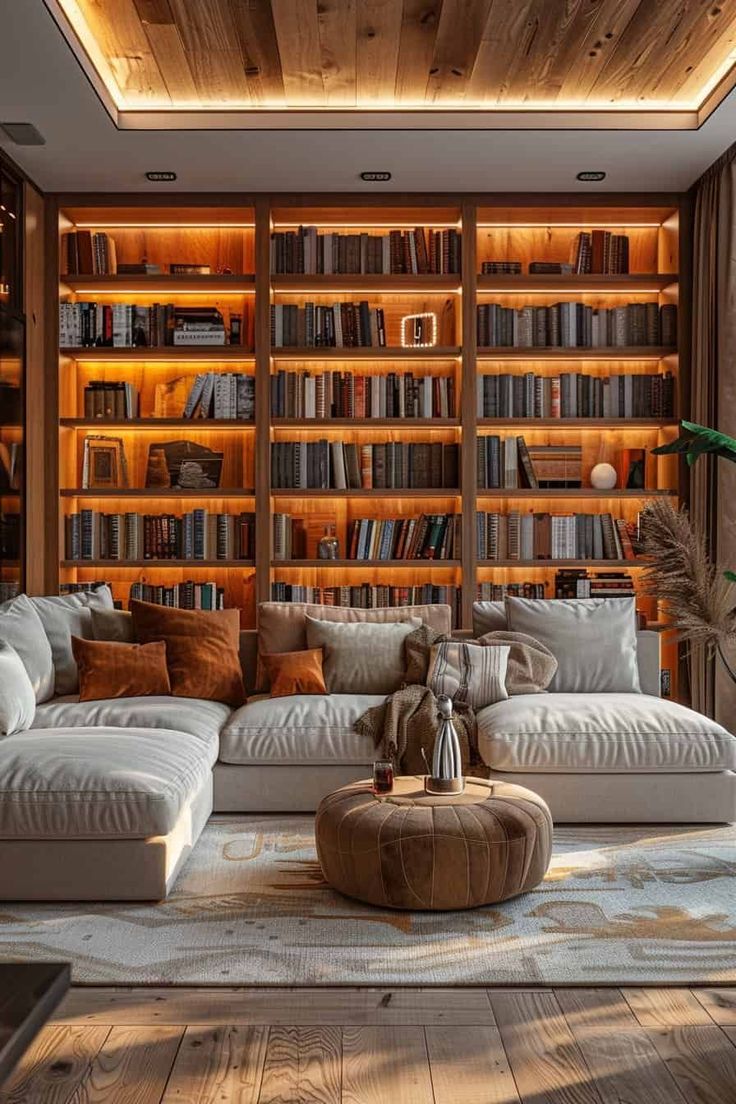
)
(592, 639)
(64, 616)
(202, 649)
(22, 628)
(113, 625)
(17, 697)
(362, 657)
(114, 670)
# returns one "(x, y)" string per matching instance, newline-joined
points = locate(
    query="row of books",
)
(87, 324)
(187, 595)
(423, 537)
(371, 596)
(543, 536)
(576, 395)
(84, 253)
(341, 465)
(197, 535)
(414, 252)
(581, 583)
(340, 325)
(509, 463)
(112, 399)
(497, 592)
(222, 395)
(350, 395)
(576, 325)
(600, 252)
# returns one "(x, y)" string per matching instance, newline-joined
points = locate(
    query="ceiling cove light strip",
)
(209, 293)
(100, 224)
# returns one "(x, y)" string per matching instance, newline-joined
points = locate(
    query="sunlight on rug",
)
(618, 906)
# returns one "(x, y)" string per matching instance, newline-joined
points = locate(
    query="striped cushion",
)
(469, 673)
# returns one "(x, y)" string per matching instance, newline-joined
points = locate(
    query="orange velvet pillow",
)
(295, 672)
(202, 649)
(112, 670)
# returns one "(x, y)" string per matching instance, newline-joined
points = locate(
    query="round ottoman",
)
(411, 850)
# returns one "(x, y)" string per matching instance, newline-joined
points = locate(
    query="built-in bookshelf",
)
(376, 337)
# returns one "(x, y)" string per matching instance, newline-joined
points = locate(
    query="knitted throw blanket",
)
(408, 721)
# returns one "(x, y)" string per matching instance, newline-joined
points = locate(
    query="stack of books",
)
(414, 252)
(600, 252)
(87, 324)
(86, 254)
(112, 399)
(186, 595)
(222, 395)
(341, 325)
(581, 583)
(500, 268)
(543, 536)
(510, 463)
(573, 325)
(350, 395)
(370, 596)
(341, 465)
(576, 395)
(198, 535)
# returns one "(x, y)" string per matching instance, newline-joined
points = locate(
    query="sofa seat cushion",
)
(203, 719)
(305, 728)
(90, 783)
(609, 733)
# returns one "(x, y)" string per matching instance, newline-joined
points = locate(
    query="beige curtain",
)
(713, 398)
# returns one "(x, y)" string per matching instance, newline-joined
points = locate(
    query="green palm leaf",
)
(697, 440)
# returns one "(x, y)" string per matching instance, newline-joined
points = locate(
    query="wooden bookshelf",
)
(231, 234)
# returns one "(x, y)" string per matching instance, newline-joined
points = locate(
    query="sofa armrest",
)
(648, 658)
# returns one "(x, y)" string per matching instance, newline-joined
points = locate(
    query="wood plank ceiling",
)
(374, 54)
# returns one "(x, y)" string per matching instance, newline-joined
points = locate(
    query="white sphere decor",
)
(603, 477)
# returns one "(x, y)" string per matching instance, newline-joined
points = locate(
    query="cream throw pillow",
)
(361, 658)
(469, 673)
(17, 696)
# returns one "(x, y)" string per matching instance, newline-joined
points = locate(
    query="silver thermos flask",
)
(447, 770)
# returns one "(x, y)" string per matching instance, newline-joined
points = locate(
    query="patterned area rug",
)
(618, 906)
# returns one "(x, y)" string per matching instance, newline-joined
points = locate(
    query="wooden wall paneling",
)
(377, 49)
(263, 399)
(419, 23)
(468, 409)
(36, 442)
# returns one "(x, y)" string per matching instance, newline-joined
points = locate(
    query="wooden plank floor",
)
(384, 1046)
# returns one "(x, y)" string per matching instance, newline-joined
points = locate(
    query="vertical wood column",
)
(37, 402)
(263, 399)
(468, 410)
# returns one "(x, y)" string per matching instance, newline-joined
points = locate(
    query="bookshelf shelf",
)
(374, 352)
(576, 352)
(212, 353)
(571, 492)
(387, 492)
(236, 237)
(364, 423)
(156, 492)
(636, 283)
(601, 565)
(564, 424)
(167, 284)
(196, 424)
(159, 564)
(383, 284)
(365, 563)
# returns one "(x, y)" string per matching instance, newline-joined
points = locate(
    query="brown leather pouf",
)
(411, 850)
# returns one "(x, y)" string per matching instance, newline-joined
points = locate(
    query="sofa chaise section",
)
(100, 813)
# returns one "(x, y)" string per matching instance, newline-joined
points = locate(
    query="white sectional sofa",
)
(104, 800)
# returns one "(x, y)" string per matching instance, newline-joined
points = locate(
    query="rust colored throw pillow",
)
(108, 670)
(295, 672)
(202, 649)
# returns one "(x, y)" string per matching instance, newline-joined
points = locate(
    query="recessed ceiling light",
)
(374, 176)
(590, 175)
(158, 176)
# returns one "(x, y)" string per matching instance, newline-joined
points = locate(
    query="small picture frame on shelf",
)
(103, 462)
(419, 331)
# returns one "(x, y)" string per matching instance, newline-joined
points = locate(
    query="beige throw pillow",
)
(361, 658)
(468, 673)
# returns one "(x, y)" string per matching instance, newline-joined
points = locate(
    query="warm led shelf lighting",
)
(593, 225)
(327, 227)
(99, 225)
(170, 290)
